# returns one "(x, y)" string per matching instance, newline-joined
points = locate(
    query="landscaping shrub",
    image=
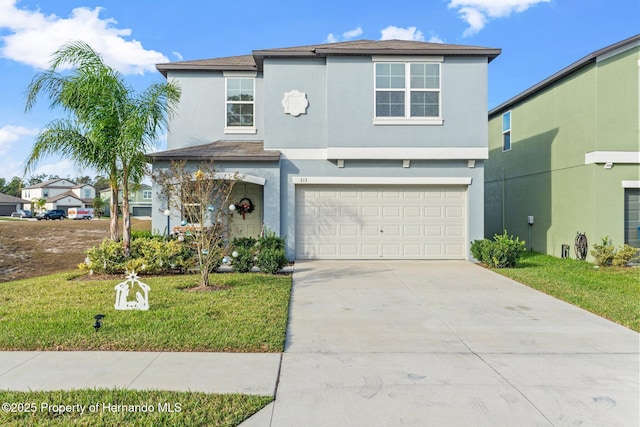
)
(480, 249)
(244, 262)
(271, 260)
(503, 251)
(244, 242)
(604, 252)
(625, 255)
(148, 256)
(271, 240)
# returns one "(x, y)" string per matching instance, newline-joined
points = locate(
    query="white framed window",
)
(146, 194)
(407, 91)
(87, 193)
(240, 105)
(45, 192)
(506, 131)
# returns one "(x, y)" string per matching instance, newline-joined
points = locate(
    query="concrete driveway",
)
(377, 343)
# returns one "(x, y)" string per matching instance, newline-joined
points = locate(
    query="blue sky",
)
(537, 38)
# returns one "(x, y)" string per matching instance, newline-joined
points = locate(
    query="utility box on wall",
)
(565, 251)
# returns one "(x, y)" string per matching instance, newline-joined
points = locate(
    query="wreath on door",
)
(245, 206)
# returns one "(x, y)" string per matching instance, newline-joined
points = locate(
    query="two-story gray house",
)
(353, 150)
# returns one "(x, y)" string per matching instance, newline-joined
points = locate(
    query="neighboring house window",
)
(506, 131)
(407, 91)
(45, 192)
(240, 104)
(87, 193)
(146, 194)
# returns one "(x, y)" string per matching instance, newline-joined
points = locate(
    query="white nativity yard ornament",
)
(295, 103)
(137, 301)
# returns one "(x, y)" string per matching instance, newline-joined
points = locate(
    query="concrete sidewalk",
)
(446, 344)
(247, 373)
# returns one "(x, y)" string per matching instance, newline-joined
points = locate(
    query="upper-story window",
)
(45, 192)
(407, 92)
(506, 131)
(87, 193)
(146, 194)
(240, 104)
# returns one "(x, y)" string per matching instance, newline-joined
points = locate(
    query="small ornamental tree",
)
(202, 199)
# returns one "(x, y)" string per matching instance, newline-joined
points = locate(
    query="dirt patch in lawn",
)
(30, 248)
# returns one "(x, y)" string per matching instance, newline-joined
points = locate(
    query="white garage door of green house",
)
(373, 222)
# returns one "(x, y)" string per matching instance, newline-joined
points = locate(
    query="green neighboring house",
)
(567, 153)
(139, 200)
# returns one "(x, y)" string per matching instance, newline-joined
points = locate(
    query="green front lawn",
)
(248, 314)
(613, 293)
(126, 407)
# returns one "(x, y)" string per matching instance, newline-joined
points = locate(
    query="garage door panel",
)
(411, 231)
(433, 212)
(370, 211)
(416, 222)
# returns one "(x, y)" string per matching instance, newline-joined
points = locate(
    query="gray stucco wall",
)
(201, 115)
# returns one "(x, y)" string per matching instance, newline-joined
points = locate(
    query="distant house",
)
(353, 150)
(60, 194)
(139, 200)
(9, 204)
(567, 153)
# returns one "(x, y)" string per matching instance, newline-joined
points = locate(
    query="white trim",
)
(408, 153)
(612, 157)
(303, 153)
(395, 58)
(630, 184)
(240, 177)
(240, 73)
(240, 129)
(376, 180)
(382, 121)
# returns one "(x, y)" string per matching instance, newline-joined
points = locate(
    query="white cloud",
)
(347, 35)
(33, 36)
(398, 33)
(477, 13)
(352, 34)
(10, 134)
(178, 55)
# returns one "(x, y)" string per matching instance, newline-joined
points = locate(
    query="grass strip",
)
(111, 407)
(610, 292)
(247, 313)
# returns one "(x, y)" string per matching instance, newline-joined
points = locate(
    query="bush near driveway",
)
(503, 251)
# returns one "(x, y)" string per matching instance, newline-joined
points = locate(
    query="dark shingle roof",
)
(254, 61)
(549, 81)
(6, 198)
(49, 183)
(248, 151)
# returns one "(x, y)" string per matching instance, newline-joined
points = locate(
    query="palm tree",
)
(108, 126)
(38, 205)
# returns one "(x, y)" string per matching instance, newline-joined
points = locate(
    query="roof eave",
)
(196, 157)
(165, 68)
(551, 80)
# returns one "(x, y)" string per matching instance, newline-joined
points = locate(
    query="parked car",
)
(52, 214)
(22, 214)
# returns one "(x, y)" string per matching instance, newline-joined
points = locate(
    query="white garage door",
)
(372, 222)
